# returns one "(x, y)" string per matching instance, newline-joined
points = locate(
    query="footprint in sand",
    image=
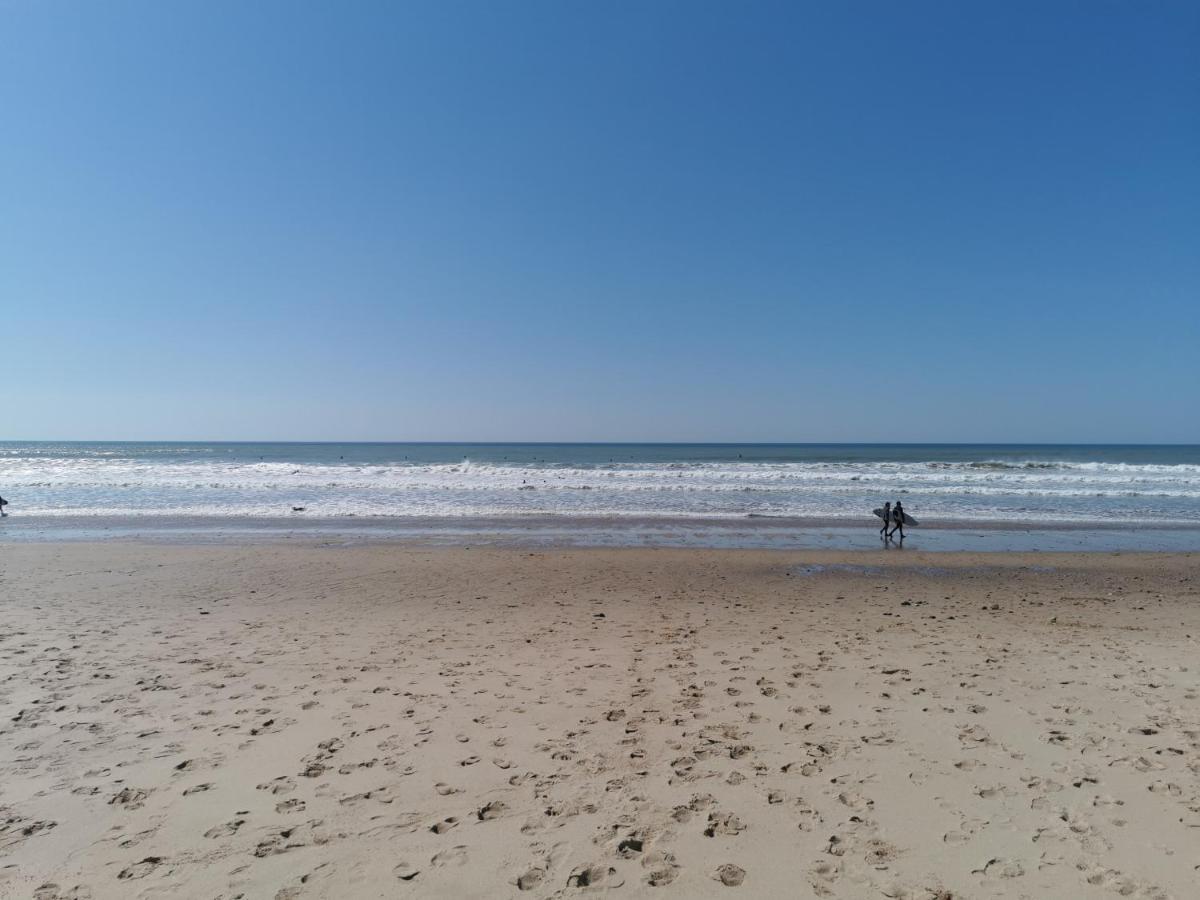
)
(595, 876)
(280, 785)
(13, 831)
(51, 891)
(445, 825)
(493, 810)
(730, 875)
(287, 839)
(698, 802)
(1004, 868)
(405, 872)
(880, 853)
(663, 868)
(138, 837)
(225, 829)
(455, 856)
(531, 879)
(1122, 884)
(385, 794)
(142, 868)
(822, 875)
(270, 726)
(630, 847)
(723, 823)
(1166, 787)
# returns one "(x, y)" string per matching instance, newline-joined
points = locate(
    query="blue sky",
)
(600, 221)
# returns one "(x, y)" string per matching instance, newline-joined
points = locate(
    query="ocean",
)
(940, 484)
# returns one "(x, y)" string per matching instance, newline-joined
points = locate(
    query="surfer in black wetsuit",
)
(887, 519)
(898, 519)
(3, 503)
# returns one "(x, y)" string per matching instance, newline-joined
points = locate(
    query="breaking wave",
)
(57, 482)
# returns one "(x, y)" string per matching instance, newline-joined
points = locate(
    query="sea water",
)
(1003, 484)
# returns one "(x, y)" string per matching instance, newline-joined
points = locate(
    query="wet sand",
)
(565, 531)
(287, 721)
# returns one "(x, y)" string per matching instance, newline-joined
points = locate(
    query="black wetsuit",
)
(898, 518)
(887, 518)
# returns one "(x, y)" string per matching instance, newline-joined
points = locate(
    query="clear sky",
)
(566, 220)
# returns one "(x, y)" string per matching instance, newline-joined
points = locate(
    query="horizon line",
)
(626, 443)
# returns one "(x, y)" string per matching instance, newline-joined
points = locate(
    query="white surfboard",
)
(908, 520)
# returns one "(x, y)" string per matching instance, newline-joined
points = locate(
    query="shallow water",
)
(594, 532)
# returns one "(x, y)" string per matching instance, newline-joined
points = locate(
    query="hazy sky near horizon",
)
(557, 220)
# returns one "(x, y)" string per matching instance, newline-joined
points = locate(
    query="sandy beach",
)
(272, 721)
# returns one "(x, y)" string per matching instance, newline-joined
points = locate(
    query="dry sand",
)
(282, 721)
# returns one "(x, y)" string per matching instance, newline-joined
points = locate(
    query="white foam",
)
(107, 484)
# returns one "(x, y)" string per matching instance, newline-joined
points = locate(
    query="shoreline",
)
(543, 532)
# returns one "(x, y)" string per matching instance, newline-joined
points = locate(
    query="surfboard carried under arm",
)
(908, 520)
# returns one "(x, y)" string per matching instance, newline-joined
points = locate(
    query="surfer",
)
(898, 519)
(3, 503)
(887, 519)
